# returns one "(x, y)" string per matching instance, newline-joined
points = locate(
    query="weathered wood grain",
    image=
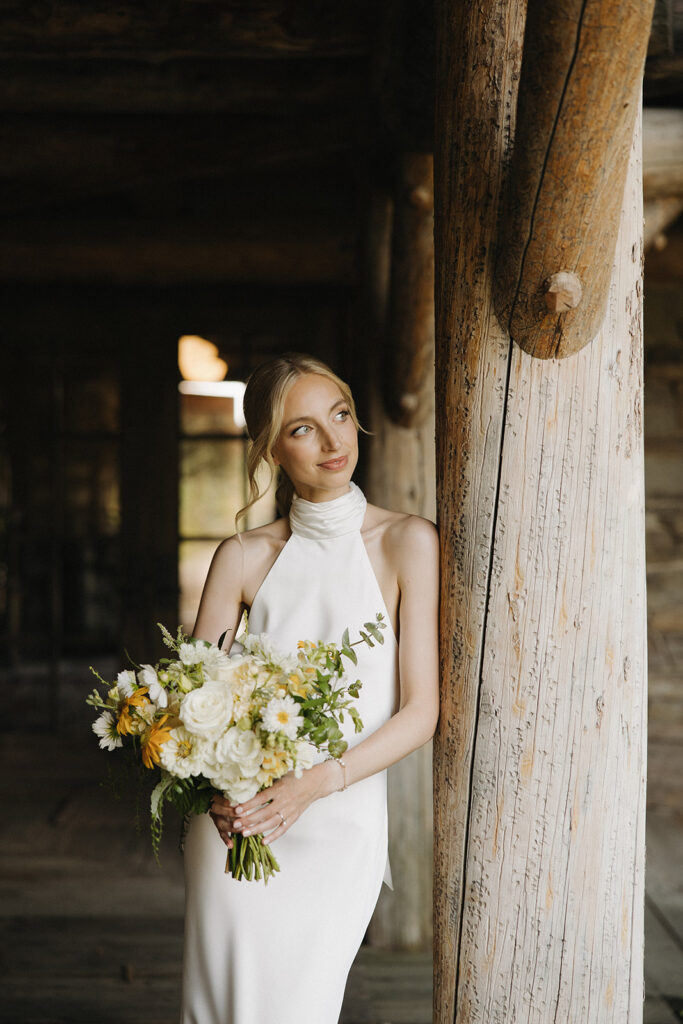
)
(475, 105)
(540, 752)
(578, 98)
(410, 342)
(555, 863)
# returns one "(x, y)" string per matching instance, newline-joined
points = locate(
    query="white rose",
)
(242, 790)
(190, 654)
(208, 710)
(305, 754)
(223, 776)
(240, 747)
(218, 665)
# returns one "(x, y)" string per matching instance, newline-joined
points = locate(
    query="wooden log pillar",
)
(399, 474)
(540, 750)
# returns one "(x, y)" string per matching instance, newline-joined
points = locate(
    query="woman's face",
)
(318, 443)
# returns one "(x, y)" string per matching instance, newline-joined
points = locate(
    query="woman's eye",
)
(300, 431)
(343, 413)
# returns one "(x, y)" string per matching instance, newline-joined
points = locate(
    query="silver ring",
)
(284, 820)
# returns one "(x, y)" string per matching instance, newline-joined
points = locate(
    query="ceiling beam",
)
(277, 86)
(292, 251)
(184, 28)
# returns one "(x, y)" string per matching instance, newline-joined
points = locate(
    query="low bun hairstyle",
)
(264, 403)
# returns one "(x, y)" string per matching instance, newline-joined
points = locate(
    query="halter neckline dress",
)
(281, 954)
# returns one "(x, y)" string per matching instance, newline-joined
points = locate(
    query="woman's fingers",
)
(225, 827)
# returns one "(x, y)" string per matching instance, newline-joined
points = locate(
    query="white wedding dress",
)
(281, 954)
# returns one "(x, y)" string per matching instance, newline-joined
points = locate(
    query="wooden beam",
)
(181, 28)
(664, 79)
(272, 87)
(409, 349)
(313, 250)
(665, 264)
(55, 159)
(577, 104)
(659, 215)
(662, 152)
(399, 474)
(475, 115)
(540, 748)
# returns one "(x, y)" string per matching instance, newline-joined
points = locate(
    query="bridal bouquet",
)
(204, 722)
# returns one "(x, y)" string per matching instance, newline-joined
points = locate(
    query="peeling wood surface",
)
(578, 97)
(474, 118)
(540, 756)
(555, 862)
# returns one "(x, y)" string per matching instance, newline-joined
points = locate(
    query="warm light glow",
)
(218, 389)
(198, 359)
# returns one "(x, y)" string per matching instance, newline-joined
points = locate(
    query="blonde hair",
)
(264, 405)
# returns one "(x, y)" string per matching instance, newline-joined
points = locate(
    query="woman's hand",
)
(223, 814)
(272, 812)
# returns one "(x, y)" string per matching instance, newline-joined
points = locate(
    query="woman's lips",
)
(335, 463)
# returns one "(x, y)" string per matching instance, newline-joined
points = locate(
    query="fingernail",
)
(238, 810)
(236, 823)
(246, 832)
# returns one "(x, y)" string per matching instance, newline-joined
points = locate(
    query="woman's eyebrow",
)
(304, 416)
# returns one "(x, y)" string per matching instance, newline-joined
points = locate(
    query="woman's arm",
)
(415, 549)
(220, 607)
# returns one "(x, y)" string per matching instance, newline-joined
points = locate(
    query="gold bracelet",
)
(342, 765)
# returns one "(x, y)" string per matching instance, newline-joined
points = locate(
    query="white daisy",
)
(183, 754)
(125, 682)
(105, 728)
(148, 677)
(281, 714)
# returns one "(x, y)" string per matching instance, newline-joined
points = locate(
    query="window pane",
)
(212, 486)
(208, 414)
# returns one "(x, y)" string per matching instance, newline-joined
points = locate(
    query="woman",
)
(281, 954)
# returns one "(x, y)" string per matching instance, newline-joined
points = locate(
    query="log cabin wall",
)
(664, 515)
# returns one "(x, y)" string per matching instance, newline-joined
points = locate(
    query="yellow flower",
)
(127, 717)
(154, 741)
(298, 686)
(276, 763)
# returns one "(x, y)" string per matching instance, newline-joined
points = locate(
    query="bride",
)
(281, 954)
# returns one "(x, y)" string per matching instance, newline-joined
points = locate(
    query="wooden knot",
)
(563, 292)
(409, 403)
(420, 197)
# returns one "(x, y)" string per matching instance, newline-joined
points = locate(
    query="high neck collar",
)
(319, 520)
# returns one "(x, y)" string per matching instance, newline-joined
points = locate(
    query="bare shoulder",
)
(253, 545)
(407, 540)
(248, 556)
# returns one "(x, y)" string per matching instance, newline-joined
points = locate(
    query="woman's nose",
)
(330, 441)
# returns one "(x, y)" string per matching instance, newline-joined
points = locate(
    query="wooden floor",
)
(91, 926)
